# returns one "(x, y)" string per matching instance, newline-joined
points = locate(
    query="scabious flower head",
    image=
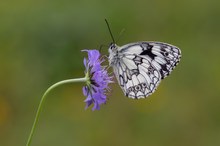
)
(97, 80)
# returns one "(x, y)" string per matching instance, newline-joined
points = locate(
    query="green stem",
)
(42, 101)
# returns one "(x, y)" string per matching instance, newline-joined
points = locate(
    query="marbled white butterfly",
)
(139, 67)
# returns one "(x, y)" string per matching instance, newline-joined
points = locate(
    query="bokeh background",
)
(41, 43)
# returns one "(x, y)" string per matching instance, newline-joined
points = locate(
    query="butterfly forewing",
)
(139, 67)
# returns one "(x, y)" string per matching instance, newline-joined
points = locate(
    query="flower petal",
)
(93, 56)
(85, 91)
(85, 62)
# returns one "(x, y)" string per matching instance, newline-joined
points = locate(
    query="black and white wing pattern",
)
(139, 67)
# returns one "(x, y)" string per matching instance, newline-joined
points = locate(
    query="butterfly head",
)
(112, 46)
(113, 51)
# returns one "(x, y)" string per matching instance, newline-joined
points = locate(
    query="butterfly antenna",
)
(120, 34)
(110, 31)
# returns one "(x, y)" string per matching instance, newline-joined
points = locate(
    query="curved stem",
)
(42, 101)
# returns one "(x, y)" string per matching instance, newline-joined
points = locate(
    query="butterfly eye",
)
(112, 46)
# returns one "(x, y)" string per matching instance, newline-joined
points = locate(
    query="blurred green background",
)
(41, 43)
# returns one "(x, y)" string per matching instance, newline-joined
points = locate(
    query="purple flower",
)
(97, 80)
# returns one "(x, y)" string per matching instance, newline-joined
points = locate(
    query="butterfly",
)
(139, 67)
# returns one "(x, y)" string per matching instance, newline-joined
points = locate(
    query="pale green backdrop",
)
(41, 43)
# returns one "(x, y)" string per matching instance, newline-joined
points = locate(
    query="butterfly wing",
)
(137, 81)
(142, 65)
